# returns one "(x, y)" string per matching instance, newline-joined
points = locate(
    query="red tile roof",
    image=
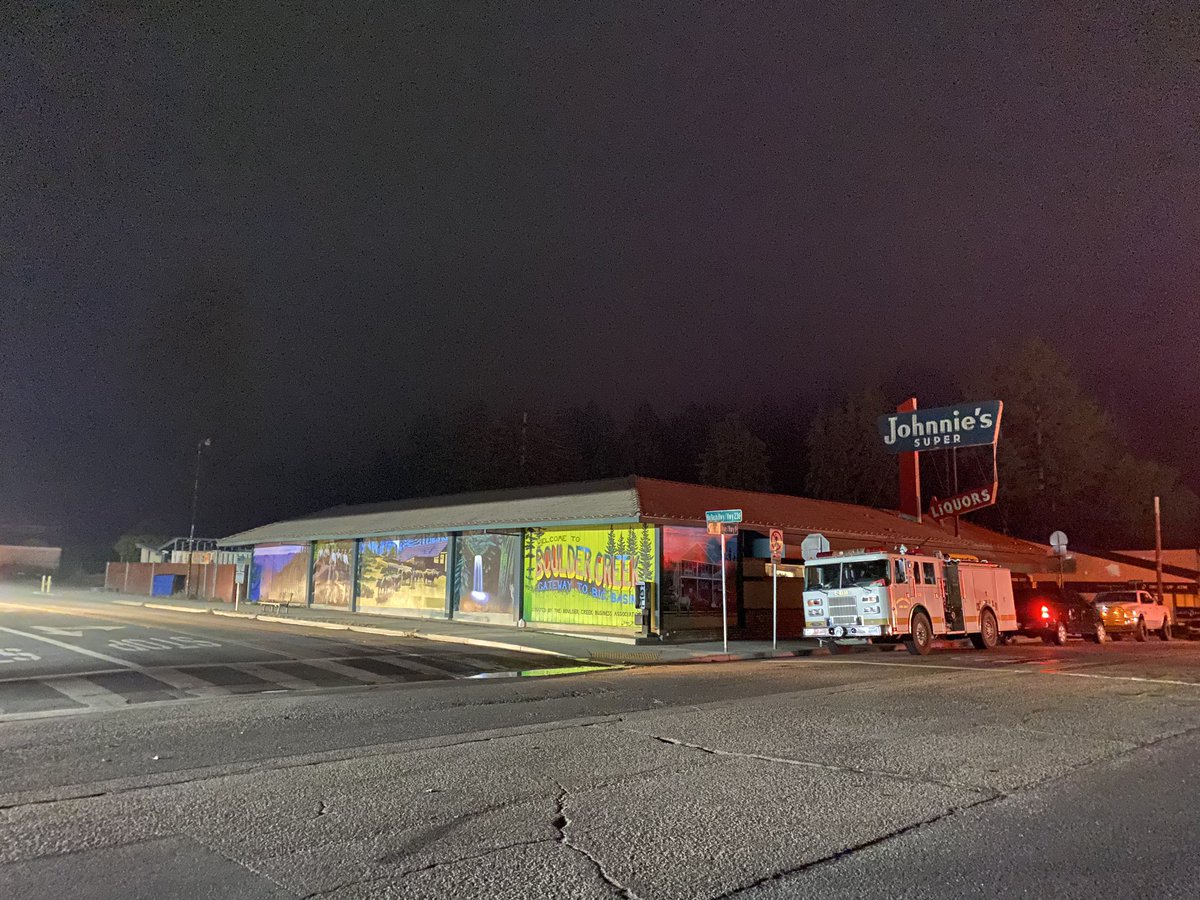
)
(845, 524)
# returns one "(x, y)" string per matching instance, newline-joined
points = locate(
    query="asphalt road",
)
(61, 655)
(1030, 771)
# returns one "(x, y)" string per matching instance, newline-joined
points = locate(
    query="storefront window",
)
(280, 572)
(691, 580)
(588, 576)
(487, 574)
(331, 573)
(403, 573)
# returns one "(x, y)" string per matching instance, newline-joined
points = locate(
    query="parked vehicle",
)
(890, 596)
(1054, 614)
(1135, 613)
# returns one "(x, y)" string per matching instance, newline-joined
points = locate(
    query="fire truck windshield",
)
(864, 574)
(831, 576)
(823, 578)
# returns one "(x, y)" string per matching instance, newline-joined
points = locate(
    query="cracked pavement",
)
(960, 775)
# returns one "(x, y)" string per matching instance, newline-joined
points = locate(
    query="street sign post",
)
(731, 517)
(1058, 541)
(776, 541)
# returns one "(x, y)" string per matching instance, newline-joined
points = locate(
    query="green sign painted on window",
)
(588, 576)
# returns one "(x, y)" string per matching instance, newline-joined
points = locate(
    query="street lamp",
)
(207, 442)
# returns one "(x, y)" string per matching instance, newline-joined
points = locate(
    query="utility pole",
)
(1158, 549)
(207, 442)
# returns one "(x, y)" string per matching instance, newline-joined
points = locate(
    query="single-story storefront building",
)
(628, 557)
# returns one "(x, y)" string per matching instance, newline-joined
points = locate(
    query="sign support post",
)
(726, 521)
(776, 542)
(724, 603)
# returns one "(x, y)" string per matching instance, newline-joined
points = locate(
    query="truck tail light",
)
(1045, 612)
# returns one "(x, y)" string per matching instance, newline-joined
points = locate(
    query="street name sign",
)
(723, 515)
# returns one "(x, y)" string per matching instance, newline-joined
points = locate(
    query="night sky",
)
(293, 228)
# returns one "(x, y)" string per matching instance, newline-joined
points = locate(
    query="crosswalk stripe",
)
(182, 681)
(86, 692)
(421, 668)
(482, 664)
(349, 671)
(274, 676)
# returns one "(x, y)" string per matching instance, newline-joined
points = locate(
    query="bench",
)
(278, 607)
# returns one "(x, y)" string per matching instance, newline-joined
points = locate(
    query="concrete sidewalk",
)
(500, 637)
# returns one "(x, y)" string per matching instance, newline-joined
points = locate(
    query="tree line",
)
(1063, 463)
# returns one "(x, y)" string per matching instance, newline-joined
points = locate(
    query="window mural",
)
(488, 574)
(403, 572)
(588, 576)
(331, 573)
(692, 571)
(280, 572)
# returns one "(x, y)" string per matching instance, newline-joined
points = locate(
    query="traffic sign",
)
(723, 515)
(722, 528)
(776, 539)
(1058, 541)
(813, 546)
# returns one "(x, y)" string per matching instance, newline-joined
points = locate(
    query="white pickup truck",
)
(1135, 613)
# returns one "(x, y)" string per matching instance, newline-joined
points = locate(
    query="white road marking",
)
(1004, 671)
(170, 642)
(1126, 678)
(65, 646)
(349, 671)
(86, 692)
(182, 681)
(74, 632)
(16, 654)
(481, 665)
(274, 676)
(421, 668)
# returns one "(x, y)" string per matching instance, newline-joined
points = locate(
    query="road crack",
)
(561, 823)
(809, 764)
(865, 845)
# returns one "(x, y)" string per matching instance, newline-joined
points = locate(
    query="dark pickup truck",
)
(1054, 614)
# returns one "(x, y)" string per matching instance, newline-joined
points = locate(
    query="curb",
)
(634, 657)
(364, 629)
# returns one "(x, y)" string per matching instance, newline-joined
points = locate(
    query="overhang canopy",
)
(613, 501)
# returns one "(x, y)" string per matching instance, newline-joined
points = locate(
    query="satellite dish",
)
(1058, 541)
(812, 546)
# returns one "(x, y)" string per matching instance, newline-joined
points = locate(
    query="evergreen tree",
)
(734, 457)
(846, 459)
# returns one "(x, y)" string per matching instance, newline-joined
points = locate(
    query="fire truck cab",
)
(892, 596)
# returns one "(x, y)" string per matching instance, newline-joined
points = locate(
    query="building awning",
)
(633, 499)
(613, 501)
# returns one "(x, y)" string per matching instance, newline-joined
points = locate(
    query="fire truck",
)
(890, 597)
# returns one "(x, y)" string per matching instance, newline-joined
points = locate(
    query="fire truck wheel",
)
(1139, 631)
(920, 638)
(989, 632)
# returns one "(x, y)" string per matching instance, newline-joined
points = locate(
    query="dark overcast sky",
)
(300, 224)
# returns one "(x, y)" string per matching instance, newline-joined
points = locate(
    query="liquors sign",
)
(942, 428)
(960, 504)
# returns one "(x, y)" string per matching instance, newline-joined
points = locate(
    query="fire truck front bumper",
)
(840, 631)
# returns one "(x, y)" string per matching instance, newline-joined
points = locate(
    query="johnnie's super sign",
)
(965, 425)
